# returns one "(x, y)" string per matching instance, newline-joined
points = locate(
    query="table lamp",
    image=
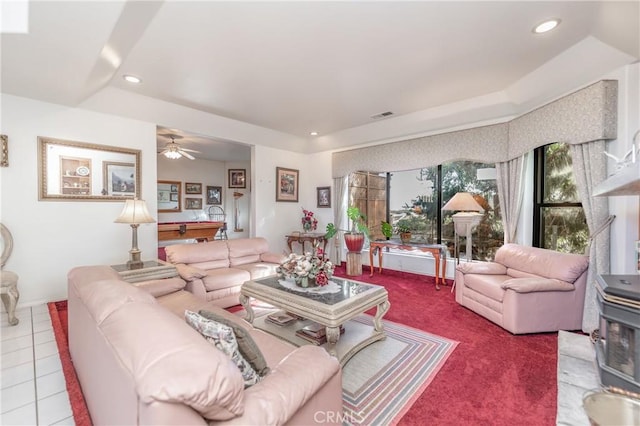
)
(467, 218)
(134, 213)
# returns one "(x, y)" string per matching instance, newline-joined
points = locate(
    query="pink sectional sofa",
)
(525, 289)
(215, 270)
(139, 362)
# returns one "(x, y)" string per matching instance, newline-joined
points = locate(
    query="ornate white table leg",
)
(10, 296)
(380, 311)
(246, 304)
(333, 334)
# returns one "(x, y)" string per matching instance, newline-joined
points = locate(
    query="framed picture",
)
(214, 195)
(193, 203)
(324, 196)
(192, 188)
(169, 196)
(119, 178)
(286, 184)
(237, 178)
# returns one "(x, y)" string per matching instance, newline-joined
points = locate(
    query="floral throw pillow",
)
(223, 338)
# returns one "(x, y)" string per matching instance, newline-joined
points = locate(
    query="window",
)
(368, 192)
(558, 218)
(417, 196)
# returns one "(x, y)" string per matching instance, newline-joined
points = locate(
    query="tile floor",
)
(33, 388)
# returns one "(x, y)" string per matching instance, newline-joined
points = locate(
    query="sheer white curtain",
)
(510, 180)
(589, 169)
(339, 209)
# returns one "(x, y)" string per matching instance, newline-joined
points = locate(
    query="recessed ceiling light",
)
(545, 26)
(314, 133)
(132, 79)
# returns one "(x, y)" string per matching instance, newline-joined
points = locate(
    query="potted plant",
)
(403, 227)
(387, 229)
(354, 238)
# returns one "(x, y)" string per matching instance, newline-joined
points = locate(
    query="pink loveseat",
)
(139, 362)
(215, 270)
(525, 289)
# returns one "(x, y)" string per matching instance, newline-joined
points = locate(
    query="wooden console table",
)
(183, 230)
(303, 237)
(439, 252)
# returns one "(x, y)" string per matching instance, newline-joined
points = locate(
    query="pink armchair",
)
(526, 289)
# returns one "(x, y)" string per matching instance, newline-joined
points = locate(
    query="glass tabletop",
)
(349, 289)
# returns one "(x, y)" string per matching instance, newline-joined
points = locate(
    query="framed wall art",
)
(214, 195)
(70, 170)
(324, 196)
(169, 196)
(193, 203)
(237, 178)
(287, 184)
(119, 178)
(192, 188)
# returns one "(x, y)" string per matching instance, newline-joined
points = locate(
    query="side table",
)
(151, 270)
(438, 251)
(303, 237)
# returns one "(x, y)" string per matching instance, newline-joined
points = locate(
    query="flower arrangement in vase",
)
(307, 270)
(309, 223)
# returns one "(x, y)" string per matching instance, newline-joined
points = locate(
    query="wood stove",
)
(618, 349)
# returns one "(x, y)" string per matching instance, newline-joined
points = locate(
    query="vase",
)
(306, 282)
(354, 241)
(306, 226)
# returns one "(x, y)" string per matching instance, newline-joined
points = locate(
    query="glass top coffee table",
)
(330, 310)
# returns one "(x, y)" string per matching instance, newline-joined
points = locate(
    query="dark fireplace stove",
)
(618, 349)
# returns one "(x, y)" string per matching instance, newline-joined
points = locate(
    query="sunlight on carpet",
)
(381, 382)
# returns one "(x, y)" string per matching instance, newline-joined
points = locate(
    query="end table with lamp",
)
(135, 270)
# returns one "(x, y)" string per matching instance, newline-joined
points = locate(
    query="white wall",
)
(273, 220)
(51, 237)
(205, 172)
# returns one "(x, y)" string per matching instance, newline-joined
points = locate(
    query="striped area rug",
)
(381, 382)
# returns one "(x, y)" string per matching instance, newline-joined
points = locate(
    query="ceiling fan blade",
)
(189, 150)
(189, 156)
(162, 152)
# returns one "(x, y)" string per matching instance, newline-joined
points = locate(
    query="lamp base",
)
(134, 259)
(138, 264)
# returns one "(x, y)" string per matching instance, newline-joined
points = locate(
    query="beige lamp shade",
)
(463, 201)
(135, 211)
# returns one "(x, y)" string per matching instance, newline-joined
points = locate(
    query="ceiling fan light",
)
(173, 155)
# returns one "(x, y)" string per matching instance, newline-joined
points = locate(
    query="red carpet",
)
(58, 312)
(492, 378)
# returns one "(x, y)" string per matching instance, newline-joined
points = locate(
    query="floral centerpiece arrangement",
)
(309, 223)
(307, 270)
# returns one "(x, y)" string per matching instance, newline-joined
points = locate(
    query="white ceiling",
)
(295, 67)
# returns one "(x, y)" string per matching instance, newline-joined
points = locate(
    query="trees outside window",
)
(558, 221)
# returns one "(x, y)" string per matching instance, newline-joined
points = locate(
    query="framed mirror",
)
(169, 196)
(69, 170)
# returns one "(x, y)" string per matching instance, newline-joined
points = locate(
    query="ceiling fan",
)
(174, 151)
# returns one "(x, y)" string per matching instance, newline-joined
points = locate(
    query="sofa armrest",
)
(190, 273)
(531, 285)
(274, 400)
(272, 257)
(483, 268)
